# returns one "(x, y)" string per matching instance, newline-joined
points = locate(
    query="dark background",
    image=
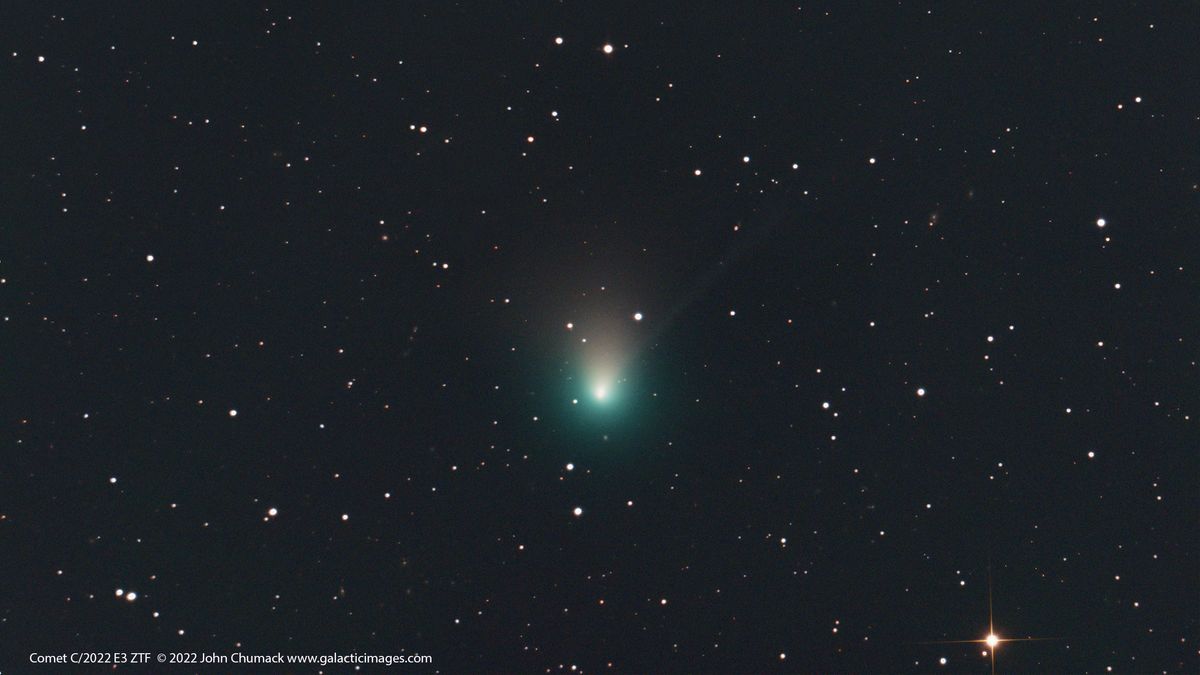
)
(299, 225)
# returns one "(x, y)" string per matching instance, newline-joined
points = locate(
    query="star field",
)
(582, 338)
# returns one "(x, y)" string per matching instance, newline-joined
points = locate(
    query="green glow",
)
(602, 381)
(603, 390)
(599, 384)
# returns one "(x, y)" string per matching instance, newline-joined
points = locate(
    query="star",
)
(992, 640)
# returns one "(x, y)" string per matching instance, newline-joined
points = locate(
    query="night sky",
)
(575, 337)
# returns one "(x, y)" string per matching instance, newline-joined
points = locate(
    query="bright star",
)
(992, 641)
